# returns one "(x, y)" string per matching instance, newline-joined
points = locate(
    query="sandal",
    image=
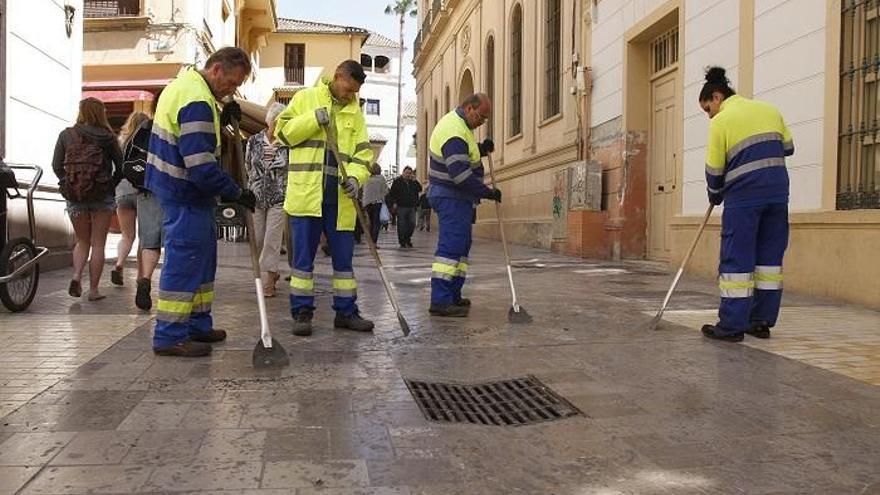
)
(75, 289)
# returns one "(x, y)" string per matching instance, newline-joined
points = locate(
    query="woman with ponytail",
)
(745, 169)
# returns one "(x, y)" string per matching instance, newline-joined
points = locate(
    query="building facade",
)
(643, 63)
(380, 57)
(40, 78)
(133, 48)
(297, 53)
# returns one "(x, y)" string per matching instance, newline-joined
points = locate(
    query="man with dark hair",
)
(184, 173)
(456, 185)
(405, 196)
(318, 199)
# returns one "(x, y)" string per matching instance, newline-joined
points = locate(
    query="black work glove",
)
(486, 147)
(495, 195)
(247, 199)
(715, 198)
(230, 111)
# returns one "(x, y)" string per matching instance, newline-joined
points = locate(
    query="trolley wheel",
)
(18, 294)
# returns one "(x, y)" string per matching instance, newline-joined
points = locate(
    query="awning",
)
(120, 95)
(126, 84)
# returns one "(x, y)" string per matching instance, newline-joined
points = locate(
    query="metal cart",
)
(19, 257)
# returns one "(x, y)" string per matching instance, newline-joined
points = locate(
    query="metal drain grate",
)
(515, 402)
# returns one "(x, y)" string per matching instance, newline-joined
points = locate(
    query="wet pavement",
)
(90, 409)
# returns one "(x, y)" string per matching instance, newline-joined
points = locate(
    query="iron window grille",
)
(664, 51)
(93, 9)
(858, 175)
(295, 64)
(552, 76)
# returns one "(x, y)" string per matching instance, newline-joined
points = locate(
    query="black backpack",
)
(134, 157)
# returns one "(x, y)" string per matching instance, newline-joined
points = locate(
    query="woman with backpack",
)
(126, 199)
(87, 161)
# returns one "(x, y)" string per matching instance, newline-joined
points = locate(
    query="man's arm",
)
(197, 144)
(296, 123)
(458, 163)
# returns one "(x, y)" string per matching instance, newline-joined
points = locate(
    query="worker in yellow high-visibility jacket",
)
(317, 199)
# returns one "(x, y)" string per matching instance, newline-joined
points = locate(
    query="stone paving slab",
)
(664, 412)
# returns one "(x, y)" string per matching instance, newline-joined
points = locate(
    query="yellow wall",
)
(323, 53)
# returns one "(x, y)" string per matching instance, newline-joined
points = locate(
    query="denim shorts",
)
(127, 202)
(149, 221)
(76, 208)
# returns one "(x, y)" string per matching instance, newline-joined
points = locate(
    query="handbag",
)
(384, 214)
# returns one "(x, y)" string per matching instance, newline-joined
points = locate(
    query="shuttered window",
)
(552, 49)
(516, 27)
(295, 64)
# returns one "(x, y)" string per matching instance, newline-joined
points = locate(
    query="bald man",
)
(456, 178)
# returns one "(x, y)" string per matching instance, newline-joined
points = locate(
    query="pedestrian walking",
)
(87, 161)
(405, 198)
(375, 191)
(456, 180)
(184, 174)
(126, 200)
(424, 220)
(317, 201)
(745, 169)
(266, 162)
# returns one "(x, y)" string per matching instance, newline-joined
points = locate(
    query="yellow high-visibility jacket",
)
(298, 128)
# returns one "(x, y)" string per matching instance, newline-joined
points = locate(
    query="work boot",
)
(116, 276)
(187, 348)
(302, 323)
(451, 310)
(712, 332)
(142, 298)
(210, 336)
(353, 322)
(463, 302)
(759, 330)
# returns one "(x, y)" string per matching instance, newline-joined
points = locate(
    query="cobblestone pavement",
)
(89, 409)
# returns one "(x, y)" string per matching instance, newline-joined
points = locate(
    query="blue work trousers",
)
(449, 270)
(753, 243)
(305, 235)
(186, 286)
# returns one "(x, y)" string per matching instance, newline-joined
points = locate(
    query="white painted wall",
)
(44, 79)
(383, 87)
(789, 72)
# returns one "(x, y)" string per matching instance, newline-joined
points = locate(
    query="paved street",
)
(87, 407)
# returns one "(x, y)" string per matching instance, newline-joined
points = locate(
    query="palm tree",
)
(400, 8)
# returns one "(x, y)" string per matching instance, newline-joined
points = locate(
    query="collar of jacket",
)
(732, 100)
(351, 107)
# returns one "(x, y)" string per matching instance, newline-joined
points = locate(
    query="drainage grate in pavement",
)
(515, 402)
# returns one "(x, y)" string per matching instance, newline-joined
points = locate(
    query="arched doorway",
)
(466, 87)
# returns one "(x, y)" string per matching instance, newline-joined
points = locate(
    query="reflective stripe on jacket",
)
(298, 128)
(745, 156)
(455, 170)
(183, 159)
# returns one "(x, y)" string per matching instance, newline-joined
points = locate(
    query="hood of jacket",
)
(102, 137)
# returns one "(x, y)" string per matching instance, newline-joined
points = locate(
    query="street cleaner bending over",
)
(317, 198)
(456, 179)
(184, 174)
(745, 168)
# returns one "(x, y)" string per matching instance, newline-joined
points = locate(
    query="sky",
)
(368, 14)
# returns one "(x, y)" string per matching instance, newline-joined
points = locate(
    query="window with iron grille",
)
(371, 107)
(664, 51)
(295, 64)
(516, 71)
(490, 81)
(93, 9)
(858, 156)
(552, 49)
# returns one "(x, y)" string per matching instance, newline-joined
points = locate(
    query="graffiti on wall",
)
(560, 203)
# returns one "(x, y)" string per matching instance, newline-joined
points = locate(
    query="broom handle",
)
(503, 237)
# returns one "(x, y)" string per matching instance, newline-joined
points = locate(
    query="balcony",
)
(103, 9)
